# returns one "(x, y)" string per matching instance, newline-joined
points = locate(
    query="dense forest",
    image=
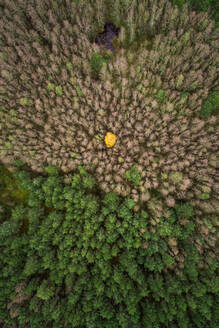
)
(109, 189)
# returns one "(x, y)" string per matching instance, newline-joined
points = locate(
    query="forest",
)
(109, 206)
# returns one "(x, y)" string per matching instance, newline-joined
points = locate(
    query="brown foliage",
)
(161, 137)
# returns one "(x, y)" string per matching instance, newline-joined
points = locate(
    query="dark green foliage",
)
(45, 291)
(111, 200)
(58, 90)
(184, 94)
(84, 179)
(7, 229)
(179, 3)
(2, 185)
(133, 175)
(80, 255)
(97, 61)
(24, 178)
(202, 5)
(18, 163)
(79, 92)
(51, 170)
(184, 211)
(204, 196)
(160, 96)
(210, 105)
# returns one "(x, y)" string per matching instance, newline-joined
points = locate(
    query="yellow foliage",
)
(110, 139)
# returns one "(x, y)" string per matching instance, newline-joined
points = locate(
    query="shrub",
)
(133, 175)
(210, 105)
(184, 211)
(97, 60)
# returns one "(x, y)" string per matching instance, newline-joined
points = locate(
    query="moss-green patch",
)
(176, 177)
(8, 145)
(179, 80)
(99, 137)
(69, 66)
(58, 90)
(52, 170)
(184, 210)
(3, 152)
(12, 112)
(97, 61)
(160, 96)
(164, 176)
(79, 92)
(184, 95)
(51, 86)
(101, 112)
(165, 31)
(140, 87)
(133, 175)
(54, 4)
(210, 106)
(205, 189)
(185, 37)
(11, 189)
(18, 162)
(179, 3)
(204, 196)
(26, 101)
(120, 159)
(139, 68)
(14, 119)
(74, 155)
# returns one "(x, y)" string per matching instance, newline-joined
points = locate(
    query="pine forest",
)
(109, 184)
